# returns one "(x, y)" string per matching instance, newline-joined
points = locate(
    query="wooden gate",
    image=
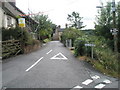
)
(10, 48)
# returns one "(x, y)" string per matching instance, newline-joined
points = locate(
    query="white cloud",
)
(59, 9)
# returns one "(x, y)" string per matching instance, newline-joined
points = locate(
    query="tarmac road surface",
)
(53, 66)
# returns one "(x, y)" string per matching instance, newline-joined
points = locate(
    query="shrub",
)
(70, 33)
(79, 47)
(26, 38)
(105, 57)
(46, 40)
(17, 34)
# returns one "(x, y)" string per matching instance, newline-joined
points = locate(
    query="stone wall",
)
(31, 48)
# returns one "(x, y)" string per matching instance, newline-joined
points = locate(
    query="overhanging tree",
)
(45, 28)
(104, 23)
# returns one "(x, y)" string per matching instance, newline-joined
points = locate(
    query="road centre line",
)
(49, 51)
(34, 64)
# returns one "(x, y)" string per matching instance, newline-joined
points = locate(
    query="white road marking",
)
(49, 52)
(107, 81)
(100, 86)
(77, 86)
(0, 57)
(34, 64)
(59, 54)
(44, 44)
(88, 81)
(95, 77)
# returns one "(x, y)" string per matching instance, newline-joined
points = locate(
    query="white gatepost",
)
(66, 43)
(70, 43)
(90, 45)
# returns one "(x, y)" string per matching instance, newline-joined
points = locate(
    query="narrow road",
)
(53, 66)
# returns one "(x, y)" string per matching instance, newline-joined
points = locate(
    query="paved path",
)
(53, 66)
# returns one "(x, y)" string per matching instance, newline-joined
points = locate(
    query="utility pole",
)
(114, 31)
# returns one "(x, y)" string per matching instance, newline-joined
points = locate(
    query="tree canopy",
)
(46, 27)
(104, 23)
(75, 20)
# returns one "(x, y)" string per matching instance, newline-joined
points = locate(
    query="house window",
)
(8, 20)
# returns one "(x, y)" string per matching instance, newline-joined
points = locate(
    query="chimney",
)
(59, 26)
(66, 25)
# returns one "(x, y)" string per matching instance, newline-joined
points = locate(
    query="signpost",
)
(91, 45)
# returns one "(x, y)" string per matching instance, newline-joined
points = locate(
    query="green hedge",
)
(22, 35)
(102, 53)
(80, 48)
(17, 34)
(70, 33)
(12, 33)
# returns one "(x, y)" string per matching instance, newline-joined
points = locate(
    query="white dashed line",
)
(107, 81)
(34, 64)
(49, 52)
(77, 86)
(95, 77)
(100, 86)
(88, 81)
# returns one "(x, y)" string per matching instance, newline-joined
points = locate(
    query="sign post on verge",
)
(21, 22)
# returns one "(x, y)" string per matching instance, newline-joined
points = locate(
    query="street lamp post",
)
(114, 31)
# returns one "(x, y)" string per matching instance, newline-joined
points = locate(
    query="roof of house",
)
(16, 8)
(14, 11)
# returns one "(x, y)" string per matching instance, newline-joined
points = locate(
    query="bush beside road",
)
(104, 59)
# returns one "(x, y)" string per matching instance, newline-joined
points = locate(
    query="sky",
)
(58, 10)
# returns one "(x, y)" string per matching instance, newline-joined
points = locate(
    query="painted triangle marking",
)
(57, 56)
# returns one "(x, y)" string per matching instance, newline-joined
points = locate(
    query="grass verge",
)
(97, 65)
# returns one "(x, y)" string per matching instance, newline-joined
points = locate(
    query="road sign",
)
(21, 22)
(89, 45)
